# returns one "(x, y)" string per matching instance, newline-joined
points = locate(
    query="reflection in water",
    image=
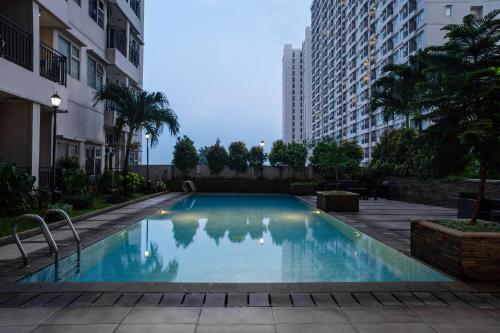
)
(243, 238)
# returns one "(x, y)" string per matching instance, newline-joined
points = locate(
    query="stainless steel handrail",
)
(191, 185)
(48, 237)
(71, 227)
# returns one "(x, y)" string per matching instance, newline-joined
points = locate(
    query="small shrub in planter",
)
(80, 201)
(303, 188)
(160, 186)
(133, 182)
(338, 201)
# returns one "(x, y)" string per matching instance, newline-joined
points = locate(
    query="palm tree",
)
(396, 91)
(461, 91)
(136, 110)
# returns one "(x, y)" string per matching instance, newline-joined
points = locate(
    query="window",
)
(79, 2)
(72, 54)
(95, 74)
(447, 10)
(477, 11)
(96, 11)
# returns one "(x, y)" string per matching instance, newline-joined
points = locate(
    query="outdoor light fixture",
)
(146, 253)
(262, 144)
(261, 241)
(55, 100)
(148, 137)
(372, 42)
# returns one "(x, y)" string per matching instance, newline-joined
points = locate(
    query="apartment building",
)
(352, 40)
(72, 48)
(296, 92)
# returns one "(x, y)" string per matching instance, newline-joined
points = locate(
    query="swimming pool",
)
(240, 238)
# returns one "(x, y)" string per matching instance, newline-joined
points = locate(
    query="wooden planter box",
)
(302, 189)
(467, 256)
(337, 201)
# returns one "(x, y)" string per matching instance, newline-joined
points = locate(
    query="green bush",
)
(15, 190)
(133, 182)
(74, 181)
(160, 186)
(68, 163)
(106, 182)
(238, 156)
(80, 201)
(185, 154)
(257, 157)
(217, 157)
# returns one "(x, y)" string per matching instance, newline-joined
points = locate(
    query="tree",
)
(296, 155)
(202, 153)
(396, 91)
(136, 110)
(278, 154)
(461, 91)
(238, 156)
(257, 157)
(332, 158)
(185, 155)
(216, 157)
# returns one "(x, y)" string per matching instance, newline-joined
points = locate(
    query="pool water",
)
(240, 238)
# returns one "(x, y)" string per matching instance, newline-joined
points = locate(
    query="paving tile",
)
(408, 298)
(316, 328)
(18, 300)
(89, 315)
(172, 299)
(236, 316)
(235, 328)
(280, 299)
(99, 328)
(466, 328)
(215, 299)
(452, 315)
(16, 329)
(107, 299)
(128, 299)
(393, 314)
(308, 315)
(366, 299)
(150, 299)
(449, 298)
(162, 316)
(85, 299)
(429, 299)
(493, 313)
(394, 328)
(237, 299)
(386, 298)
(156, 328)
(489, 298)
(301, 299)
(258, 299)
(24, 316)
(193, 300)
(473, 300)
(344, 299)
(323, 300)
(5, 297)
(62, 300)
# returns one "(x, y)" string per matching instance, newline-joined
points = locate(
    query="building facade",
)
(296, 91)
(352, 40)
(72, 48)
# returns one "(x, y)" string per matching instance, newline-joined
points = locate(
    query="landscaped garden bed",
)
(466, 252)
(337, 201)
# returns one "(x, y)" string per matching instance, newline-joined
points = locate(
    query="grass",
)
(464, 225)
(6, 222)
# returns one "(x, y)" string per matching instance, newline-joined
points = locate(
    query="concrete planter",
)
(337, 201)
(467, 256)
(302, 189)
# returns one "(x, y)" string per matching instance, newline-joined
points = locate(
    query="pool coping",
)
(9, 281)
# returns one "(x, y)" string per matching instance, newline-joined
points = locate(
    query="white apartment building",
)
(72, 47)
(352, 40)
(296, 92)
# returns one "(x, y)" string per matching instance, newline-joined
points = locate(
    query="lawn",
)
(6, 222)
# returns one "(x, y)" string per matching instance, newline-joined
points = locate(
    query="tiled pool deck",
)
(299, 307)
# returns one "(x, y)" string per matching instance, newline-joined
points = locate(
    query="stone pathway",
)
(388, 220)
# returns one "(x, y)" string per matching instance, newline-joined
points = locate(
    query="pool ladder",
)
(48, 237)
(188, 185)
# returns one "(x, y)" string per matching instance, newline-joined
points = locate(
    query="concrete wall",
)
(15, 133)
(438, 192)
(168, 172)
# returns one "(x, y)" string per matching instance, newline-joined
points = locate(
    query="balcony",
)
(136, 7)
(53, 65)
(16, 44)
(117, 39)
(133, 53)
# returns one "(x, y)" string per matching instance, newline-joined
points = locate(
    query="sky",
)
(219, 63)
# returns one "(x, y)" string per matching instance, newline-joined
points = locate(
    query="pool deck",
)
(260, 307)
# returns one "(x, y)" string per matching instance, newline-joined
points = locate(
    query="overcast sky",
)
(219, 63)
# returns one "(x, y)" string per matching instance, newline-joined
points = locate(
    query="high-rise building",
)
(72, 47)
(352, 40)
(296, 91)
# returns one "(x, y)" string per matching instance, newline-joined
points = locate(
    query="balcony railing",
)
(53, 65)
(133, 53)
(136, 7)
(16, 44)
(117, 39)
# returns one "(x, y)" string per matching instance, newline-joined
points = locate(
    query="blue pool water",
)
(240, 238)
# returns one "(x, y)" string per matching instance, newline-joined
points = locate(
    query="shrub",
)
(61, 205)
(278, 154)
(133, 182)
(217, 157)
(80, 201)
(256, 156)
(238, 156)
(68, 163)
(160, 186)
(296, 155)
(15, 190)
(74, 181)
(185, 154)
(106, 182)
